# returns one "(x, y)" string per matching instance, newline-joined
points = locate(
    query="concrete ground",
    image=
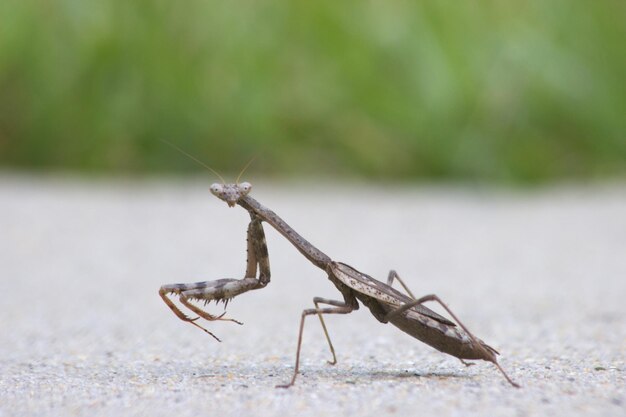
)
(540, 275)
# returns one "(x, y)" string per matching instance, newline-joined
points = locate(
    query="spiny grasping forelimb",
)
(227, 288)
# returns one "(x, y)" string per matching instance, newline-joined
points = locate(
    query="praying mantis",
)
(386, 304)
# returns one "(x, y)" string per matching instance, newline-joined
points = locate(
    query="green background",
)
(514, 92)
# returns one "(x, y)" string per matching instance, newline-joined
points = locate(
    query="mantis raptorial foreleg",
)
(227, 288)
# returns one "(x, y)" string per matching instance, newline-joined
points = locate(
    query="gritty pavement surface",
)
(540, 275)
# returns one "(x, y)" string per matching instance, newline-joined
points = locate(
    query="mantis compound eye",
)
(216, 188)
(245, 187)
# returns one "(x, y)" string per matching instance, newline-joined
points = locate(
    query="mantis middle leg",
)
(339, 307)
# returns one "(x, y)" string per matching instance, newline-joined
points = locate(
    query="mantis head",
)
(231, 193)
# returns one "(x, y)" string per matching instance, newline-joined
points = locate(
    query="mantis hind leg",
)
(394, 275)
(489, 352)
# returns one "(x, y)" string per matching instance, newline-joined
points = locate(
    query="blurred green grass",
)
(517, 92)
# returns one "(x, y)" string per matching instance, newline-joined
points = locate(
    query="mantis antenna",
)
(244, 168)
(197, 160)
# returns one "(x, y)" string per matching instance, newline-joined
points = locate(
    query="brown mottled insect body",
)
(386, 304)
